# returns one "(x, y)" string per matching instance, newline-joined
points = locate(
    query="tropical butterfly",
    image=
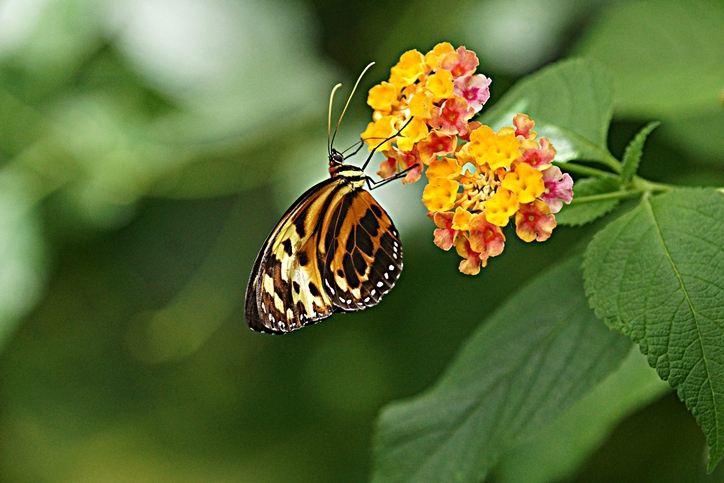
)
(334, 250)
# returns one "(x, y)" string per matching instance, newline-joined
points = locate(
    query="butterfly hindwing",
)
(364, 253)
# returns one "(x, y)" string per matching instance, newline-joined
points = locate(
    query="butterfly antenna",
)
(329, 119)
(347, 105)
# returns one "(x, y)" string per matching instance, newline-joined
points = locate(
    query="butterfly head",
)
(351, 174)
(335, 158)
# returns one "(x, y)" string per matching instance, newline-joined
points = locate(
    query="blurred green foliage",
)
(148, 146)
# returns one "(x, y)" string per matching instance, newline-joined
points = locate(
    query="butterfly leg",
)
(372, 184)
(369, 158)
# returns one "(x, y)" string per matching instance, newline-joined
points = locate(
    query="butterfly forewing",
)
(285, 287)
(335, 249)
(363, 250)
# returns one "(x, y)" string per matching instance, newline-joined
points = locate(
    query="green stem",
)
(639, 186)
(646, 185)
(614, 195)
(585, 170)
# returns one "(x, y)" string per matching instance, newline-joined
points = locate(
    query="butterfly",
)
(334, 250)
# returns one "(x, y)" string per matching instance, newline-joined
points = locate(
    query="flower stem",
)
(639, 186)
(614, 195)
(585, 170)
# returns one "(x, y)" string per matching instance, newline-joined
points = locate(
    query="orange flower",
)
(470, 265)
(409, 69)
(525, 182)
(534, 221)
(383, 97)
(378, 131)
(444, 236)
(477, 179)
(440, 194)
(501, 206)
(497, 150)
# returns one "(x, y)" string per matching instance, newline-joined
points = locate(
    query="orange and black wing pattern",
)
(334, 249)
(363, 252)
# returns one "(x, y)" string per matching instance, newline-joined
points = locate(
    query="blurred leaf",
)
(656, 275)
(542, 30)
(587, 204)
(536, 356)
(210, 62)
(571, 103)
(22, 264)
(50, 39)
(665, 55)
(634, 150)
(693, 134)
(559, 449)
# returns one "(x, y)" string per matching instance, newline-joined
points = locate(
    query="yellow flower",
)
(526, 182)
(444, 168)
(461, 219)
(463, 155)
(497, 150)
(441, 84)
(440, 194)
(415, 131)
(501, 206)
(421, 104)
(410, 68)
(383, 97)
(378, 131)
(432, 58)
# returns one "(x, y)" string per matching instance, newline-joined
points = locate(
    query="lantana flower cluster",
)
(478, 179)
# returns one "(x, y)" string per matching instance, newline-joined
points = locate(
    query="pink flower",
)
(452, 117)
(470, 264)
(485, 238)
(524, 126)
(538, 156)
(461, 62)
(473, 88)
(534, 221)
(398, 160)
(436, 145)
(444, 235)
(558, 188)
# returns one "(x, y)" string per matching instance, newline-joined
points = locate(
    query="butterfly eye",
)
(336, 157)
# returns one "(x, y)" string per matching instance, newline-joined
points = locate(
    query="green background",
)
(148, 147)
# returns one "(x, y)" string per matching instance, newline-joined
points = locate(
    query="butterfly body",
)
(335, 249)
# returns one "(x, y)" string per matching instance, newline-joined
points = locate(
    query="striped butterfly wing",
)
(363, 252)
(334, 250)
(285, 290)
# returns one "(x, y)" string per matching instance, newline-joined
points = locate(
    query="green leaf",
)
(665, 55)
(634, 150)
(561, 447)
(657, 275)
(571, 103)
(542, 350)
(589, 201)
(22, 254)
(693, 135)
